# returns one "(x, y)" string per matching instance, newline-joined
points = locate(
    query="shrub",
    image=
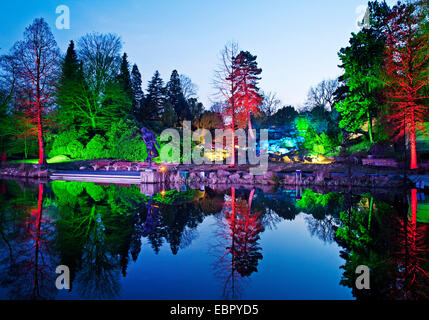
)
(318, 144)
(61, 142)
(75, 149)
(96, 192)
(365, 145)
(124, 142)
(133, 150)
(118, 134)
(96, 148)
(58, 159)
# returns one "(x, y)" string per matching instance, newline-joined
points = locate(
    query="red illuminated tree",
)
(32, 256)
(240, 251)
(37, 61)
(410, 256)
(407, 57)
(246, 76)
(247, 231)
(236, 81)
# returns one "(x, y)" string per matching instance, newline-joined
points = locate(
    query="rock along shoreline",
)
(331, 175)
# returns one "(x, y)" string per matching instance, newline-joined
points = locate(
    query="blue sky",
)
(296, 41)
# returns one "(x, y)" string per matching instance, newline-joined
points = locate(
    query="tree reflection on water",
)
(237, 242)
(96, 230)
(28, 259)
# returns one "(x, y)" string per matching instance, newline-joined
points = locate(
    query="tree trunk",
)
(413, 214)
(93, 123)
(40, 134)
(250, 128)
(413, 148)
(369, 127)
(37, 242)
(232, 163)
(39, 113)
(371, 204)
(25, 147)
(251, 198)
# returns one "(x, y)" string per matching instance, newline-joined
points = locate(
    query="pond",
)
(211, 243)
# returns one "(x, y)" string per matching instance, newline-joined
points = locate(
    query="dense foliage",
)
(96, 107)
(385, 76)
(92, 103)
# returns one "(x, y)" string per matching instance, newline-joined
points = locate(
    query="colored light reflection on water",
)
(210, 244)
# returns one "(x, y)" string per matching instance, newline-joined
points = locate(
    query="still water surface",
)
(211, 244)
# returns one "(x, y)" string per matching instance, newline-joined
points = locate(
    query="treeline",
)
(86, 104)
(379, 105)
(91, 103)
(383, 92)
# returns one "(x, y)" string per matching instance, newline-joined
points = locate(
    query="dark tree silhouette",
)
(124, 77)
(71, 77)
(176, 97)
(138, 96)
(155, 98)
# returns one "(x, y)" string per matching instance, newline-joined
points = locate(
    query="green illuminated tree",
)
(320, 205)
(362, 62)
(99, 99)
(71, 77)
(95, 109)
(317, 143)
(360, 95)
(7, 90)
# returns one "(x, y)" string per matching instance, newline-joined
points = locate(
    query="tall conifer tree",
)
(176, 98)
(124, 77)
(155, 98)
(246, 75)
(138, 96)
(71, 76)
